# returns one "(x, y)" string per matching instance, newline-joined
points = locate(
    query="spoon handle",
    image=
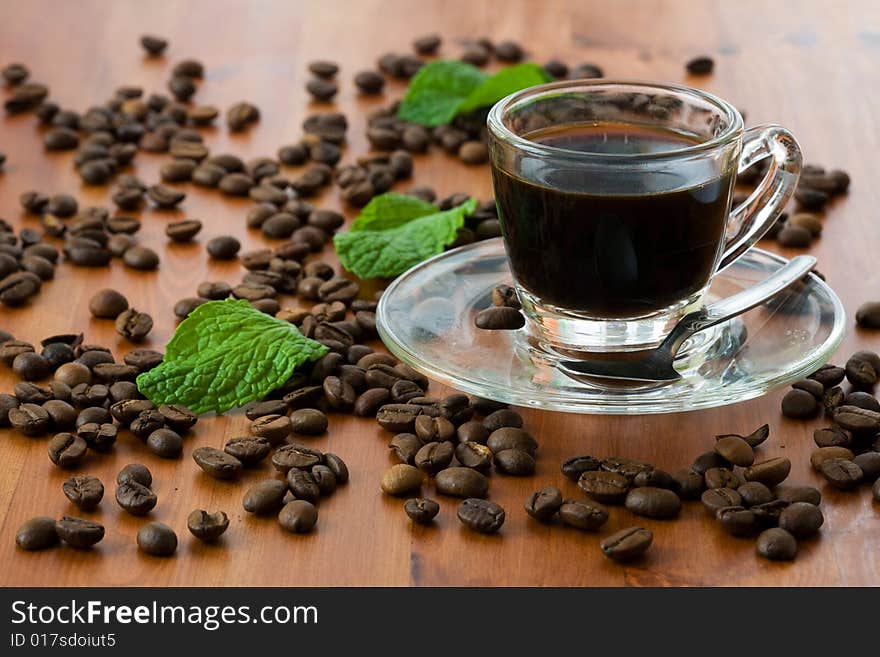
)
(734, 305)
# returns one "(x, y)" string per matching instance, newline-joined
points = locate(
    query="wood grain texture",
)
(804, 65)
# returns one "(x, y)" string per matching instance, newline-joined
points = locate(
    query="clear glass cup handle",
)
(762, 208)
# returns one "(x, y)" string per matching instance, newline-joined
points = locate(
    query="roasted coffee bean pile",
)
(441, 438)
(848, 450)
(744, 495)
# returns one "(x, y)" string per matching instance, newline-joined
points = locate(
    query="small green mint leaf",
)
(226, 354)
(437, 90)
(391, 210)
(390, 252)
(505, 82)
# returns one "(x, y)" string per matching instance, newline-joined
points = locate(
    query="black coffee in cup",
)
(621, 242)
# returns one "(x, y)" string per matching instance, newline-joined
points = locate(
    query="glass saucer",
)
(426, 319)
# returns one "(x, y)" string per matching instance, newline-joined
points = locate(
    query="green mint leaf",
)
(391, 210)
(385, 253)
(503, 83)
(226, 354)
(437, 90)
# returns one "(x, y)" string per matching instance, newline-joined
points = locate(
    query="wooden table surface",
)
(810, 68)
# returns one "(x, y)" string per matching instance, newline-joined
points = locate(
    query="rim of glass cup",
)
(496, 125)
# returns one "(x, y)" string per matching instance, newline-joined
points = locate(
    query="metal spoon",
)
(656, 365)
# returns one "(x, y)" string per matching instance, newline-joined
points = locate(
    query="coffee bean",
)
(165, 197)
(653, 502)
(605, 487)
(265, 496)
(369, 402)
(428, 44)
(776, 544)
(627, 544)
(586, 515)
(737, 521)
(868, 315)
(153, 45)
(875, 490)
(337, 467)
(29, 419)
(434, 456)
(134, 325)
(832, 436)
(339, 394)
(165, 443)
(770, 472)
(809, 198)
(863, 369)
(273, 428)
(824, 453)
(26, 96)
(405, 447)
(799, 404)
(215, 291)
(629, 468)
(157, 539)
(398, 417)
(298, 516)
(719, 498)
(268, 407)
(322, 90)
(85, 491)
(31, 393)
(303, 485)
(135, 498)
(15, 73)
(515, 462)
(828, 375)
(461, 482)
(224, 247)
(869, 462)
(31, 367)
(499, 318)
(207, 527)
(574, 467)
(801, 519)
(658, 479)
(295, 456)
(241, 115)
(793, 494)
(183, 231)
(401, 479)
(863, 400)
(137, 473)
(754, 493)
(78, 532)
(481, 515)
(841, 473)
(17, 288)
(67, 450)
(250, 450)
(216, 463)
(421, 510)
(735, 450)
(542, 505)
(37, 534)
(511, 438)
(857, 420)
(702, 65)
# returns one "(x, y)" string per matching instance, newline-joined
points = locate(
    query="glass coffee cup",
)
(615, 205)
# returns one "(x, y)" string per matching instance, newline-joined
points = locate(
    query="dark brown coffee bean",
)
(421, 510)
(542, 505)
(126, 411)
(308, 421)
(809, 198)
(476, 455)
(461, 482)
(828, 375)
(339, 394)
(298, 516)
(719, 498)
(29, 419)
(165, 443)
(428, 44)
(859, 421)
(737, 521)
(793, 494)
(216, 463)
(157, 539)
(825, 453)
(17, 288)
(799, 404)
(37, 534)
(321, 89)
(515, 462)
(721, 478)
(472, 431)
(337, 467)
(869, 462)
(405, 447)
(832, 436)
(511, 438)
(503, 417)
(398, 417)
(369, 402)
(434, 456)
(338, 289)
(61, 414)
(61, 139)
(863, 400)
(627, 544)
(141, 258)
(303, 485)
(754, 493)
(499, 318)
(481, 515)
(135, 498)
(801, 519)
(241, 115)
(133, 325)
(236, 184)
(508, 51)
(868, 315)
(31, 367)
(154, 45)
(224, 247)
(702, 65)
(433, 429)
(207, 527)
(586, 515)
(214, 290)
(165, 197)
(265, 496)
(770, 472)
(78, 532)
(26, 96)
(574, 467)
(324, 478)
(67, 450)
(735, 450)
(31, 393)
(841, 473)
(605, 487)
(208, 175)
(777, 544)
(15, 73)
(137, 473)
(653, 502)
(183, 231)
(85, 491)
(295, 456)
(369, 82)
(863, 369)
(273, 428)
